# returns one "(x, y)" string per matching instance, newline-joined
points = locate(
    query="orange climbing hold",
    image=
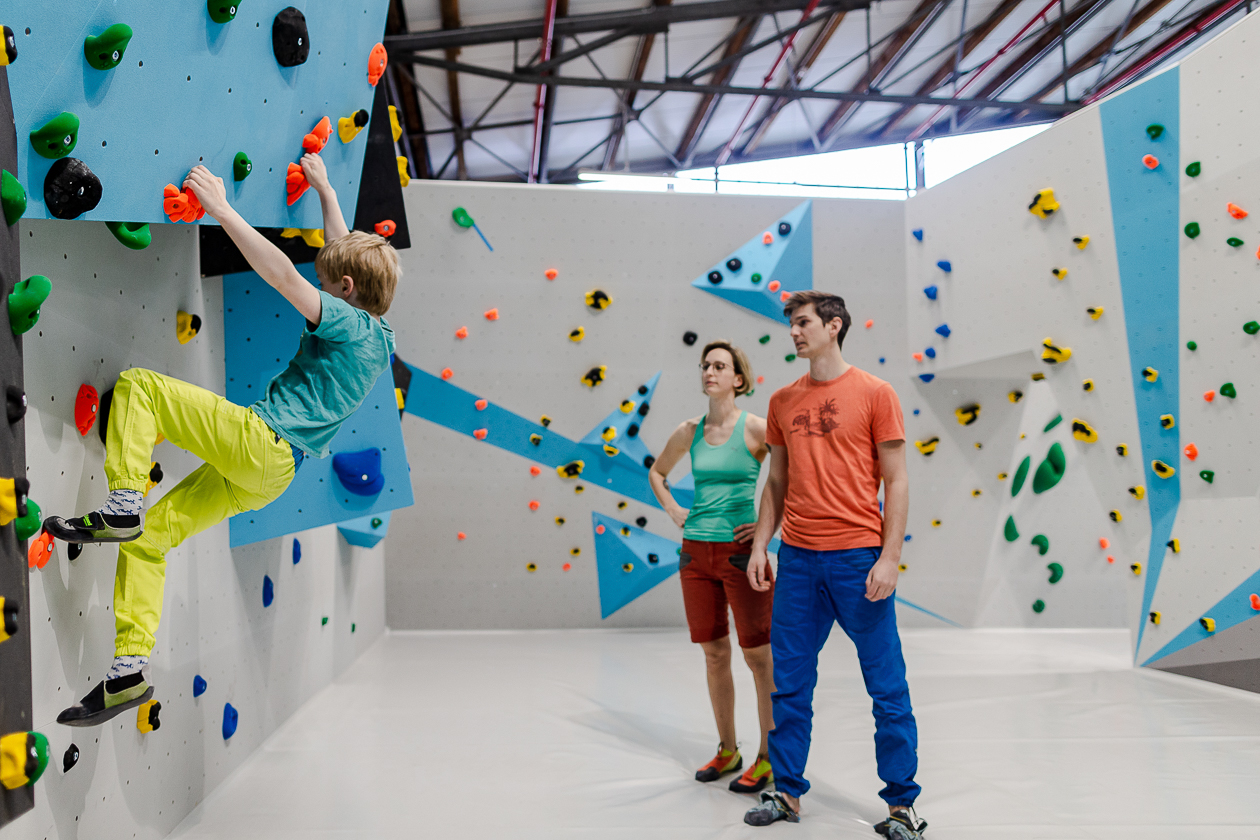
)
(1191, 451)
(760, 379)
(918, 357)
(480, 434)
(767, 238)
(1110, 559)
(481, 405)
(870, 322)
(40, 552)
(1255, 601)
(599, 529)
(1235, 211)
(318, 138)
(533, 504)
(567, 566)
(181, 206)
(774, 286)
(462, 332)
(1150, 161)
(1103, 542)
(492, 314)
(447, 373)
(461, 536)
(535, 471)
(295, 183)
(385, 228)
(1209, 395)
(377, 60)
(551, 274)
(783, 296)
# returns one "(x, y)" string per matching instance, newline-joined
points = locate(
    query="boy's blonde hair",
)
(370, 261)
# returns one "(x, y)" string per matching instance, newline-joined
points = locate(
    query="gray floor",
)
(568, 734)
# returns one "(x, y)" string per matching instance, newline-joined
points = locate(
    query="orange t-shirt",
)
(831, 430)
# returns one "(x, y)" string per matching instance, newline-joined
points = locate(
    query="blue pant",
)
(812, 590)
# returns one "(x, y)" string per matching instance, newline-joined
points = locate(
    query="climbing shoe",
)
(726, 761)
(903, 825)
(773, 807)
(109, 698)
(95, 527)
(755, 778)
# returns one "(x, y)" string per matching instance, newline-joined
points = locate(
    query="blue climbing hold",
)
(943, 330)
(944, 266)
(230, 717)
(917, 234)
(916, 412)
(360, 472)
(199, 685)
(927, 377)
(930, 291)
(930, 352)
(907, 538)
(297, 552)
(269, 591)
(881, 360)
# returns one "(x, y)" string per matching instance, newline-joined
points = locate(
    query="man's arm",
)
(317, 176)
(266, 259)
(769, 518)
(882, 580)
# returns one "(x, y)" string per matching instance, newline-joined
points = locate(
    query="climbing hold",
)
(395, 127)
(1167, 421)
(8, 54)
(186, 326)
(28, 525)
(1053, 355)
(377, 61)
(1082, 431)
(105, 51)
(1175, 545)
(535, 439)
(23, 757)
(349, 127)
(15, 403)
(230, 719)
(627, 406)
(967, 414)
(360, 472)
(535, 471)
(69, 758)
(9, 609)
(480, 405)
(1088, 385)
(1162, 470)
(1038, 605)
(12, 197)
(462, 218)
(734, 264)
(1137, 491)
(1193, 169)
(945, 266)
(447, 373)
(930, 291)
(1010, 531)
(559, 520)
(1228, 390)
(545, 421)
(1155, 617)
(577, 334)
(289, 39)
(533, 504)
(71, 189)
(598, 299)
(86, 404)
(297, 551)
(1056, 571)
(551, 274)
(790, 357)
(1150, 374)
(1207, 475)
(461, 333)
(773, 286)
(1122, 449)
(1058, 418)
(715, 277)
(648, 461)
(1020, 474)
(756, 278)
(1050, 471)
(1136, 568)
(134, 235)
(927, 447)
(936, 523)
(610, 450)
(1251, 327)
(314, 237)
(1103, 542)
(1015, 396)
(491, 314)
(1150, 161)
(571, 470)
(480, 434)
(222, 11)
(199, 685)
(1116, 516)
(927, 377)
(943, 330)
(1233, 242)
(976, 493)
(641, 521)
(1208, 624)
(1192, 229)
(918, 357)
(1043, 204)
(1192, 345)
(1059, 272)
(594, 376)
(784, 228)
(25, 301)
(155, 476)
(268, 591)
(147, 716)
(575, 551)
(1191, 451)
(295, 183)
(689, 338)
(1042, 542)
(870, 322)
(182, 205)
(1081, 241)
(917, 233)
(1095, 312)
(1255, 601)
(40, 551)
(1235, 211)
(531, 567)
(317, 139)
(1037, 377)
(57, 137)
(765, 339)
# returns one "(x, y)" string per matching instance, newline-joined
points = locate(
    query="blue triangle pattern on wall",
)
(788, 258)
(629, 564)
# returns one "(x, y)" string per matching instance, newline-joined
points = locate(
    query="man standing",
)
(833, 435)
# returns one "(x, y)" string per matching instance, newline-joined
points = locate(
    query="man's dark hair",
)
(828, 306)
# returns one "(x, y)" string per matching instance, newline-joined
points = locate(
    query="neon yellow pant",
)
(246, 468)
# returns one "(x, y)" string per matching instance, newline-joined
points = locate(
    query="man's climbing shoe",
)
(903, 825)
(755, 778)
(109, 698)
(772, 808)
(95, 527)
(726, 761)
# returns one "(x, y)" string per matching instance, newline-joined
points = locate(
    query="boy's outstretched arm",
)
(266, 259)
(317, 176)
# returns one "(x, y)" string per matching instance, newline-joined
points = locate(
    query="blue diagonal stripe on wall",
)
(1233, 609)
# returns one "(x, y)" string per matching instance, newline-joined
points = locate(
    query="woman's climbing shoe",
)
(726, 761)
(755, 778)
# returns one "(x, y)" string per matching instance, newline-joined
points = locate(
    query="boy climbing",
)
(251, 454)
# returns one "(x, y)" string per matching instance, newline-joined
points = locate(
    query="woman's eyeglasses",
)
(717, 366)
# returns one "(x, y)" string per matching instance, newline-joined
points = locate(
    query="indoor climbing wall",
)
(258, 628)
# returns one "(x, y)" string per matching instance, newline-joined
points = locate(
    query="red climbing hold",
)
(38, 554)
(1110, 559)
(181, 206)
(1191, 451)
(1103, 542)
(447, 373)
(918, 357)
(318, 138)
(1235, 211)
(377, 60)
(481, 405)
(462, 332)
(760, 379)
(599, 529)
(1255, 601)
(86, 404)
(295, 183)
(1209, 395)
(461, 536)
(535, 471)
(480, 434)
(533, 504)
(783, 296)
(774, 286)
(1150, 161)
(567, 566)
(870, 322)
(551, 274)
(492, 314)
(767, 238)
(386, 227)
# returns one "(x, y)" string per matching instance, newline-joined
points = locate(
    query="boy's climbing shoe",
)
(726, 761)
(109, 698)
(903, 825)
(95, 527)
(773, 807)
(755, 778)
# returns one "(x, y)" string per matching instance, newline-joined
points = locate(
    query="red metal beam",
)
(540, 98)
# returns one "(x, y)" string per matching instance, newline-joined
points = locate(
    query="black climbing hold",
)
(71, 189)
(632, 430)
(648, 461)
(289, 39)
(644, 409)
(70, 758)
(784, 228)
(641, 522)
(155, 473)
(10, 610)
(594, 376)
(73, 550)
(653, 559)
(222, 11)
(689, 338)
(733, 264)
(715, 277)
(15, 403)
(643, 389)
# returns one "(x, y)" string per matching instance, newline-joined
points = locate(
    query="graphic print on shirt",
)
(826, 423)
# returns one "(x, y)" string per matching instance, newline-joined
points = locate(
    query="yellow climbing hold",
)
(1015, 396)
(967, 414)
(627, 406)
(1122, 449)
(1059, 272)
(1167, 421)
(1156, 616)
(1095, 312)
(1088, 384)
(1208, 624)
(404, 177)
(1136, 568)
(1175, 545)
(1150, 374)
(1082, 431)
(1052, 354)
(1081, 241)
(1116, 516)
(1043, 204)
(576, 335)
(1162, 470)
(311, 236)
(1138, 491)
(395, 127)
(609, 433)
(927, 447)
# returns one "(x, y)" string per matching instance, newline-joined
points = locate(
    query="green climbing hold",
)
(377, 522)
(1056, 572)
(790, 357)
(323, 621)
(12, 197)
(1251, 327)
(1228, 390)
(1050, 471)
(352, 626)
(1192, 345)
(461, 217)
(1207, 475)
(29, 525)
(105, 51)
(1042, 542)
(1234, 242)
(1192, 229)
(222, 11)
(765, 339)
(1011, 532)
(57, 137)
(1154, 131)
(1038, 605)
(1020, 474)
(241, 166)
(1056, 421)
(28, 296)
(1194, 169)
(135, 235)
(756, 278)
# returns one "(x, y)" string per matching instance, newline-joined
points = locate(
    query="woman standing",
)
(727, 447)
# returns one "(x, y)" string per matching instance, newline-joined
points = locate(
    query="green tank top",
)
(726, 481)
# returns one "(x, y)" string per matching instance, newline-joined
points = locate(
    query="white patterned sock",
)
(123, 503)
(124, 665)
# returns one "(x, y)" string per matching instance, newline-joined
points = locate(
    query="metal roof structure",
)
(538, 90)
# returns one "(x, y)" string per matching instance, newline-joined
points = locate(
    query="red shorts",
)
(714, 575)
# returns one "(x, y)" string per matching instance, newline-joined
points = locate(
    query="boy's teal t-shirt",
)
(336, 365)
